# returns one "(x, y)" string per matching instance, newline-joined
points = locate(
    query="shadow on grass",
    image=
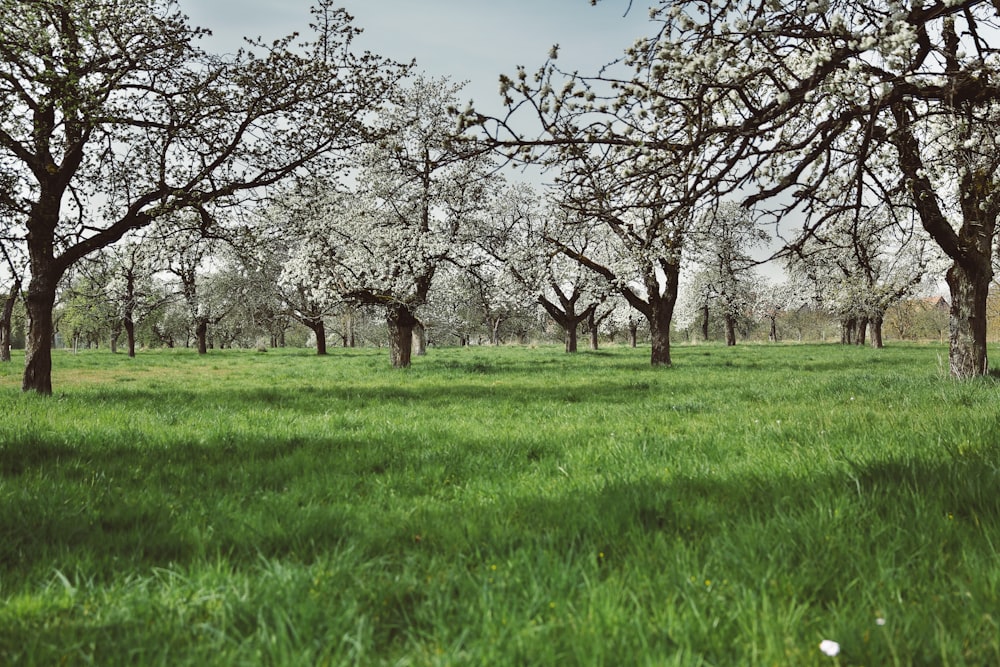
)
(124, 508)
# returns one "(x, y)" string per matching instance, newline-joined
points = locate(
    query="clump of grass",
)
(500, 506)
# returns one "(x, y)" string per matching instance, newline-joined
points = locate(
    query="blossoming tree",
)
(413, 193)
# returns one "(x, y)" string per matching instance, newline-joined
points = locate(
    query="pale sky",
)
(469, 40)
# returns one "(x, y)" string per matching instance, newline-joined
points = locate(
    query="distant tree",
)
(721, 248)
(863, 266)
(772, 300)
(570, 291)
(384, 242)
(645, 238)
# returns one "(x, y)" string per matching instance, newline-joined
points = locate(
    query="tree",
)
(284, 275)
(645, 237)
(569, 291)
(415, 190)
(772, 300)
(189, 256)
(721, 249)
(112, 117)
(818, 109)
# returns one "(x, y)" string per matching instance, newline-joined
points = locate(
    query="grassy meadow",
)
(501, 506)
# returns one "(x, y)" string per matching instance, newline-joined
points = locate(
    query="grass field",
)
(501, 506)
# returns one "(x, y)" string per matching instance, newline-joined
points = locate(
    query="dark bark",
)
(400, 322)
(848, 327)
(129, 325)
(876, 325)
(633, 335)
(704, 322)
(730, 329)
(862, 331)
(969, 290)
(970, 247)
(318, 328)
(201, 333)
(40, 299)
(659, 334)
(773, 333)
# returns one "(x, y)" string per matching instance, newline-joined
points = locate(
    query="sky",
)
(469, 40)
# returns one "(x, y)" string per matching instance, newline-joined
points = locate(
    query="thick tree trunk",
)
(876, 324)
(704, 322)
(659, 334)
(862, 331)
(661, 311)
(6, 332)
(571, 336)
(633, 335)
(129, 335)
(967, 324)
(400, 322)
(319, 330)
(730, 330)
(201, 331)
(848, 326)
(40, 299)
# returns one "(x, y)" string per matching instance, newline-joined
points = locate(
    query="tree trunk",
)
(704, 322)
(773, 333)
(40, 299)
(730, 330)
(130, 335)
(201, 331)
(876, 323)
(400, 322)
(495, 323)
(571, 336)
(6, 333)
(659, 334)
(848, 326)
(593, 326)
(348, 320)
(319, 330)
(862, 331)
(633, 335)
(661, 311)
(967, 324)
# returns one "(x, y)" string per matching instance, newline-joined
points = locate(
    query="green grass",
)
(501, 507)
